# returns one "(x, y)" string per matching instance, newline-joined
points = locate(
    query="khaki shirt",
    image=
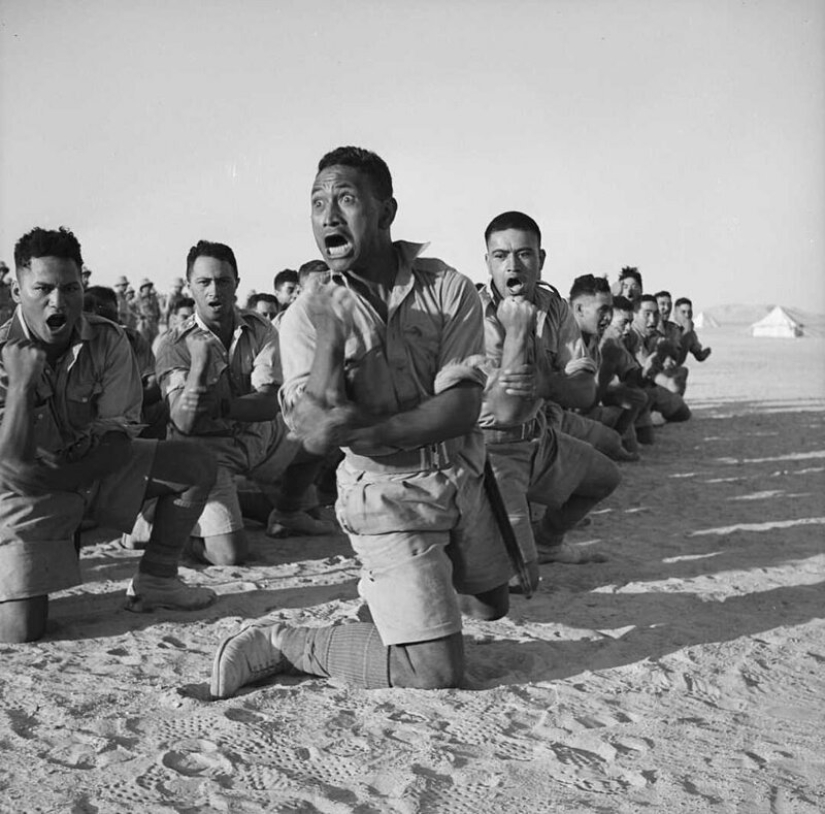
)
(431, 341)
(557, 343)
(94, 388)
(251, 363)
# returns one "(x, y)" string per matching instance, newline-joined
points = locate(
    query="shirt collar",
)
(240, 323)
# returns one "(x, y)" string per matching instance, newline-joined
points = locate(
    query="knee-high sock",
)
(352, 652)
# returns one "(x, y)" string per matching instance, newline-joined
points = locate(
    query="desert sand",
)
(686, 674)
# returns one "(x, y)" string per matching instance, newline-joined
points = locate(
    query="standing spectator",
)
(148, 309)
(125, 312)
(85, 274)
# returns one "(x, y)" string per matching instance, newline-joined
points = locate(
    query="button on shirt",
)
(251, 363)
(431, 340)
(94, 388)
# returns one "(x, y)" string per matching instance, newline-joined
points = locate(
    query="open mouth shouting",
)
(515, 287)
(56, 322)
(337, 246)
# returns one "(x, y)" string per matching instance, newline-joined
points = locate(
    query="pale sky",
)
(685, 137)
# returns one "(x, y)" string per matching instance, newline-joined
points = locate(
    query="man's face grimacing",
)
(213, 283)
(349, 222)
(593, 312)
(665, 307)
(50, 294)
(515, 260)
(647, 318)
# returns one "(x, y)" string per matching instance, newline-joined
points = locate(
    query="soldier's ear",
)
(389, 209)
(542, 257)
(15, 289)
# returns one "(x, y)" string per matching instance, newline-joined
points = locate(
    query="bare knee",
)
(223, 549)
(23, 620)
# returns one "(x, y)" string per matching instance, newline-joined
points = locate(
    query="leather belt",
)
(430, 458)
(508, 435)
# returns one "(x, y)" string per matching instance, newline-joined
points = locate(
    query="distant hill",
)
(738, 314)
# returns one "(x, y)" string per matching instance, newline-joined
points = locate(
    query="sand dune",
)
(683, 675)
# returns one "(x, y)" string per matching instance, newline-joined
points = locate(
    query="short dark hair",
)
(663, 294)
(367, 162)
(588, 285)
(631, 271)
(647, 298)
(512, 220)
(621, 303)
(217, 251)
(183, 302)
(285, 276)
(263, 297)
(683, 301)
(47, 243)
(311, 267)
(98, 299)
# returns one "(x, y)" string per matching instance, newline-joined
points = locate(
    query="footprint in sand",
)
(146, 789)
(199, 758)
(441, 794)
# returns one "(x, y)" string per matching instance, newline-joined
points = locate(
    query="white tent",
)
(704, 320)
(777, 324)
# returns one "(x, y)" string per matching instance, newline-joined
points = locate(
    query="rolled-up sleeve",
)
(462, 356)
(297, 350)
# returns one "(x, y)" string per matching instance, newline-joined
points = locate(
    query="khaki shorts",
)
(222, 513)
(420, 536)
(546, 470)
(37, 553)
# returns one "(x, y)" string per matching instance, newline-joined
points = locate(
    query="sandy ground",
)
(687, 674)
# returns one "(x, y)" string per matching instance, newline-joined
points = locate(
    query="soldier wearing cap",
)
(148, 310)
(126, 314)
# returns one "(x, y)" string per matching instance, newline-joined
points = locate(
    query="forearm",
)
(326, 377)
(185, 419)
(607, 372)
(17, 429)
(510, 408)
(448, 415)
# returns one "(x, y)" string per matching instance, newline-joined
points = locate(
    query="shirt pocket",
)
(81, 403)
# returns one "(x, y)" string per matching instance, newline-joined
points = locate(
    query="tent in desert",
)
(704, 320)
(778, 323)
